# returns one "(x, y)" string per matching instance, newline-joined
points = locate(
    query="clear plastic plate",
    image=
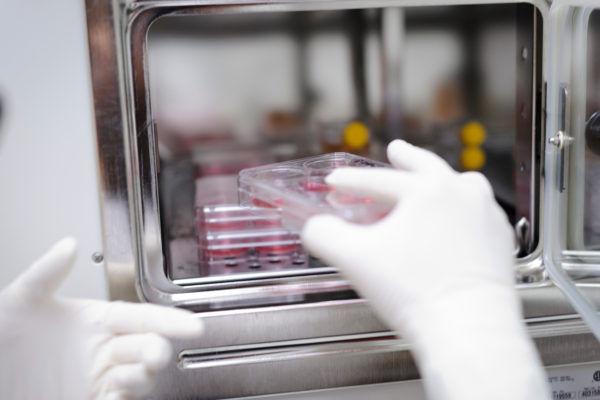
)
(298, 190)
(228, 232)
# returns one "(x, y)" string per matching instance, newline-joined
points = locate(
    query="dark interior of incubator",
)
(591, 214)
(234, 91)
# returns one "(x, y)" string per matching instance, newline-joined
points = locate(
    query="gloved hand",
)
(67, 349)
(439, 270)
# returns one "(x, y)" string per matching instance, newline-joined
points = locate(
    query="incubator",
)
(189, 93)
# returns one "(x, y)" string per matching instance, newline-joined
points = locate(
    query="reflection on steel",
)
(523, 233)
(112, 144)
(529, 123)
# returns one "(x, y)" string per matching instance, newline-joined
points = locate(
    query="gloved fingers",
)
(125, 318)
(405, 156)
(44, 276)
(383, 184)
(333, 240)
(132, 380)
(149, 349)
(478, 182)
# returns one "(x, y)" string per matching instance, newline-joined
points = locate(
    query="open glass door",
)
(572, 212)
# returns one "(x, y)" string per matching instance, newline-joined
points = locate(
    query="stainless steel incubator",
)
(189, 92)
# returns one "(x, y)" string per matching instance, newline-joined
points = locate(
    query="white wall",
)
(48, 184)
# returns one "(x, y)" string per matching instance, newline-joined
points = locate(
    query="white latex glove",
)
(439, 270)
(63, 349)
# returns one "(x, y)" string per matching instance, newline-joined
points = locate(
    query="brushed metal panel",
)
(323, 368)
(345, 317)
(282, 367)
(111, 145)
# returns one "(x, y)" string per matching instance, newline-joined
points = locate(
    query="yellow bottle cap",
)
(472, 134)
(356, 135)
(472, 158)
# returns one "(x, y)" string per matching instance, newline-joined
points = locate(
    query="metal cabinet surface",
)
(291, 330)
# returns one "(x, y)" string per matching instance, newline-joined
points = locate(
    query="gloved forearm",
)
(473, 345)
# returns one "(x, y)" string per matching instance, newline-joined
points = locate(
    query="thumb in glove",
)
(58, 348)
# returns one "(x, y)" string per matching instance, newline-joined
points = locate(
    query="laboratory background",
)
(146, 129)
